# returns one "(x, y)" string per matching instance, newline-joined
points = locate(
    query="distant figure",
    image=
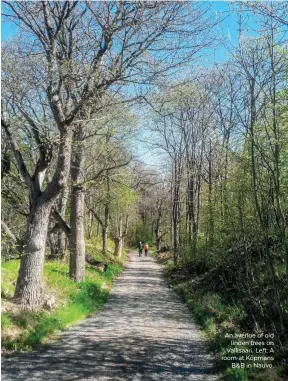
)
(140, 248)
(146, 248)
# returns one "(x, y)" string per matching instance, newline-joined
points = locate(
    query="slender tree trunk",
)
(77, 236)
(90, 226)
(119, 239)
(125, 231)
(62, 239)
(176, 212)
(190, 205)
(106, 218)
(157, 226)
(210, 201)
(196, 214)
(77, 241)
(104, 239)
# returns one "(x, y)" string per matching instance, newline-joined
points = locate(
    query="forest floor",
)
(144, 333)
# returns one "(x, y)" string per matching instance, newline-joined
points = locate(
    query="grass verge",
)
(74, 301)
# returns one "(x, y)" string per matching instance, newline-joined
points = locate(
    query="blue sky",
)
(220, 9)
(227, 30)
(8, 29)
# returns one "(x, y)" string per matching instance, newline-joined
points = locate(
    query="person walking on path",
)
(146, 249)
(140, 248)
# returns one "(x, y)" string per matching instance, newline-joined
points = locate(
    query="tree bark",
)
(176, 210)
(106, 218)
(57, 237)
(104, 239)
(62, 241)
(210, 201)
(28, 288)
(158, 236)
(90, 225)
(77, 241)
(77, 236)
(119, 239)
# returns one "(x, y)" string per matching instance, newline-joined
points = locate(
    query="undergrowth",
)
(216, 318)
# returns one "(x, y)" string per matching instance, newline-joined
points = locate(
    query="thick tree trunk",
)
(28, 287)
(77, 238)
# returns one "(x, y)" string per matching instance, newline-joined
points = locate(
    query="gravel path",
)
(144, 333)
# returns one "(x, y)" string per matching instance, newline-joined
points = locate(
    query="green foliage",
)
(6, 322)
(236, 375)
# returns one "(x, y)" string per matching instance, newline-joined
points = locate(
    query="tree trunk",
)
(28, 288)
(158, 241)
(118, 246)
(176, 211)
(52, 240)
(62, 240)
(77, 241)
(210, 201)
(90, 226)
(125, 231)
(57, 238)
(119, 240)
(104, 239)
(106, 220)
(157, 227)
(77, 238)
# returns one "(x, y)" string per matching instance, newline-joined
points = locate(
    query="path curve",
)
(144, 333)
